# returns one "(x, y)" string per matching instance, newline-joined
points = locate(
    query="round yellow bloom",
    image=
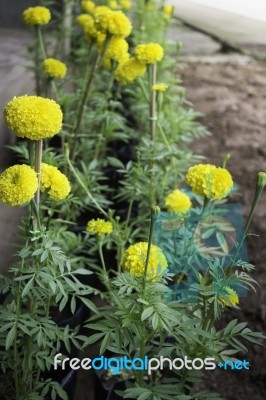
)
(101, 16)
(18, 184)
(88, 6)
(209, 181)
(230, 299)
(125, 4)
(36, 16)
(99, 226)
(54, 68)
(119, 24)
(117, 50)
(160, 87)
(168, 11)
(129, 70)
(84, 20)
(177, 201)
(135, 258)
(149, 53)
(33, 117)
(54, 182)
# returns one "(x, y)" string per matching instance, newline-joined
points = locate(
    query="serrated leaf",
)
(147, 313)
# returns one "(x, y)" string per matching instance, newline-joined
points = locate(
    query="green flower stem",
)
(43, 54)
(143, 340)
(38, 162)
(105, 273)
(81, 183)
(258, 192)
(153, 115)
(84, 98)
(163, 135)
(149, 247)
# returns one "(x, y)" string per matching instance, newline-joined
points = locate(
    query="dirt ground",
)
(230, 90)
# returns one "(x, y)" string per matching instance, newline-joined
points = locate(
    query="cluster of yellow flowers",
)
(209, 181)
(33, 117)
(18, 184)
(54, 68)
(54, 182)
(177, 201)
(134, 261)
(103, 19)
(135, 67)
(99, 226)
(36, 16)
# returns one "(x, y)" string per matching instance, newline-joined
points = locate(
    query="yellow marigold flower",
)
(117, 49)
(160, 87)
(168, 11)
(33, 117)
(54, 182)
(129, 70)
(125, 4)
(149, 53)
(101, 16)
(209, 181)
(84, 20)
(18, 184)
(36, 16)
(119, 24)
(88, 6)
(54, 68)
(230, 298)
(135, 258)
(99, 226)
(177, 201)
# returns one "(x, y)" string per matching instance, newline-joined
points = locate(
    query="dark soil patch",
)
(231, 93)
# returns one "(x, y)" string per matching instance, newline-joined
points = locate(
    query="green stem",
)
(81, 183)
(163, 134)
(153, 116)
(37, 167)
(258, 192)
(105, 273)
(84, 98)
(43, 52)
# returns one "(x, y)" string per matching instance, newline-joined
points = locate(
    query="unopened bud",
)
(261, 179)
(156, 210)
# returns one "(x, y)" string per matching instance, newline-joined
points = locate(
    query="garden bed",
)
(230, 91)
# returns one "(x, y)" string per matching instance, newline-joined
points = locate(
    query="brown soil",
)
(230, 90)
